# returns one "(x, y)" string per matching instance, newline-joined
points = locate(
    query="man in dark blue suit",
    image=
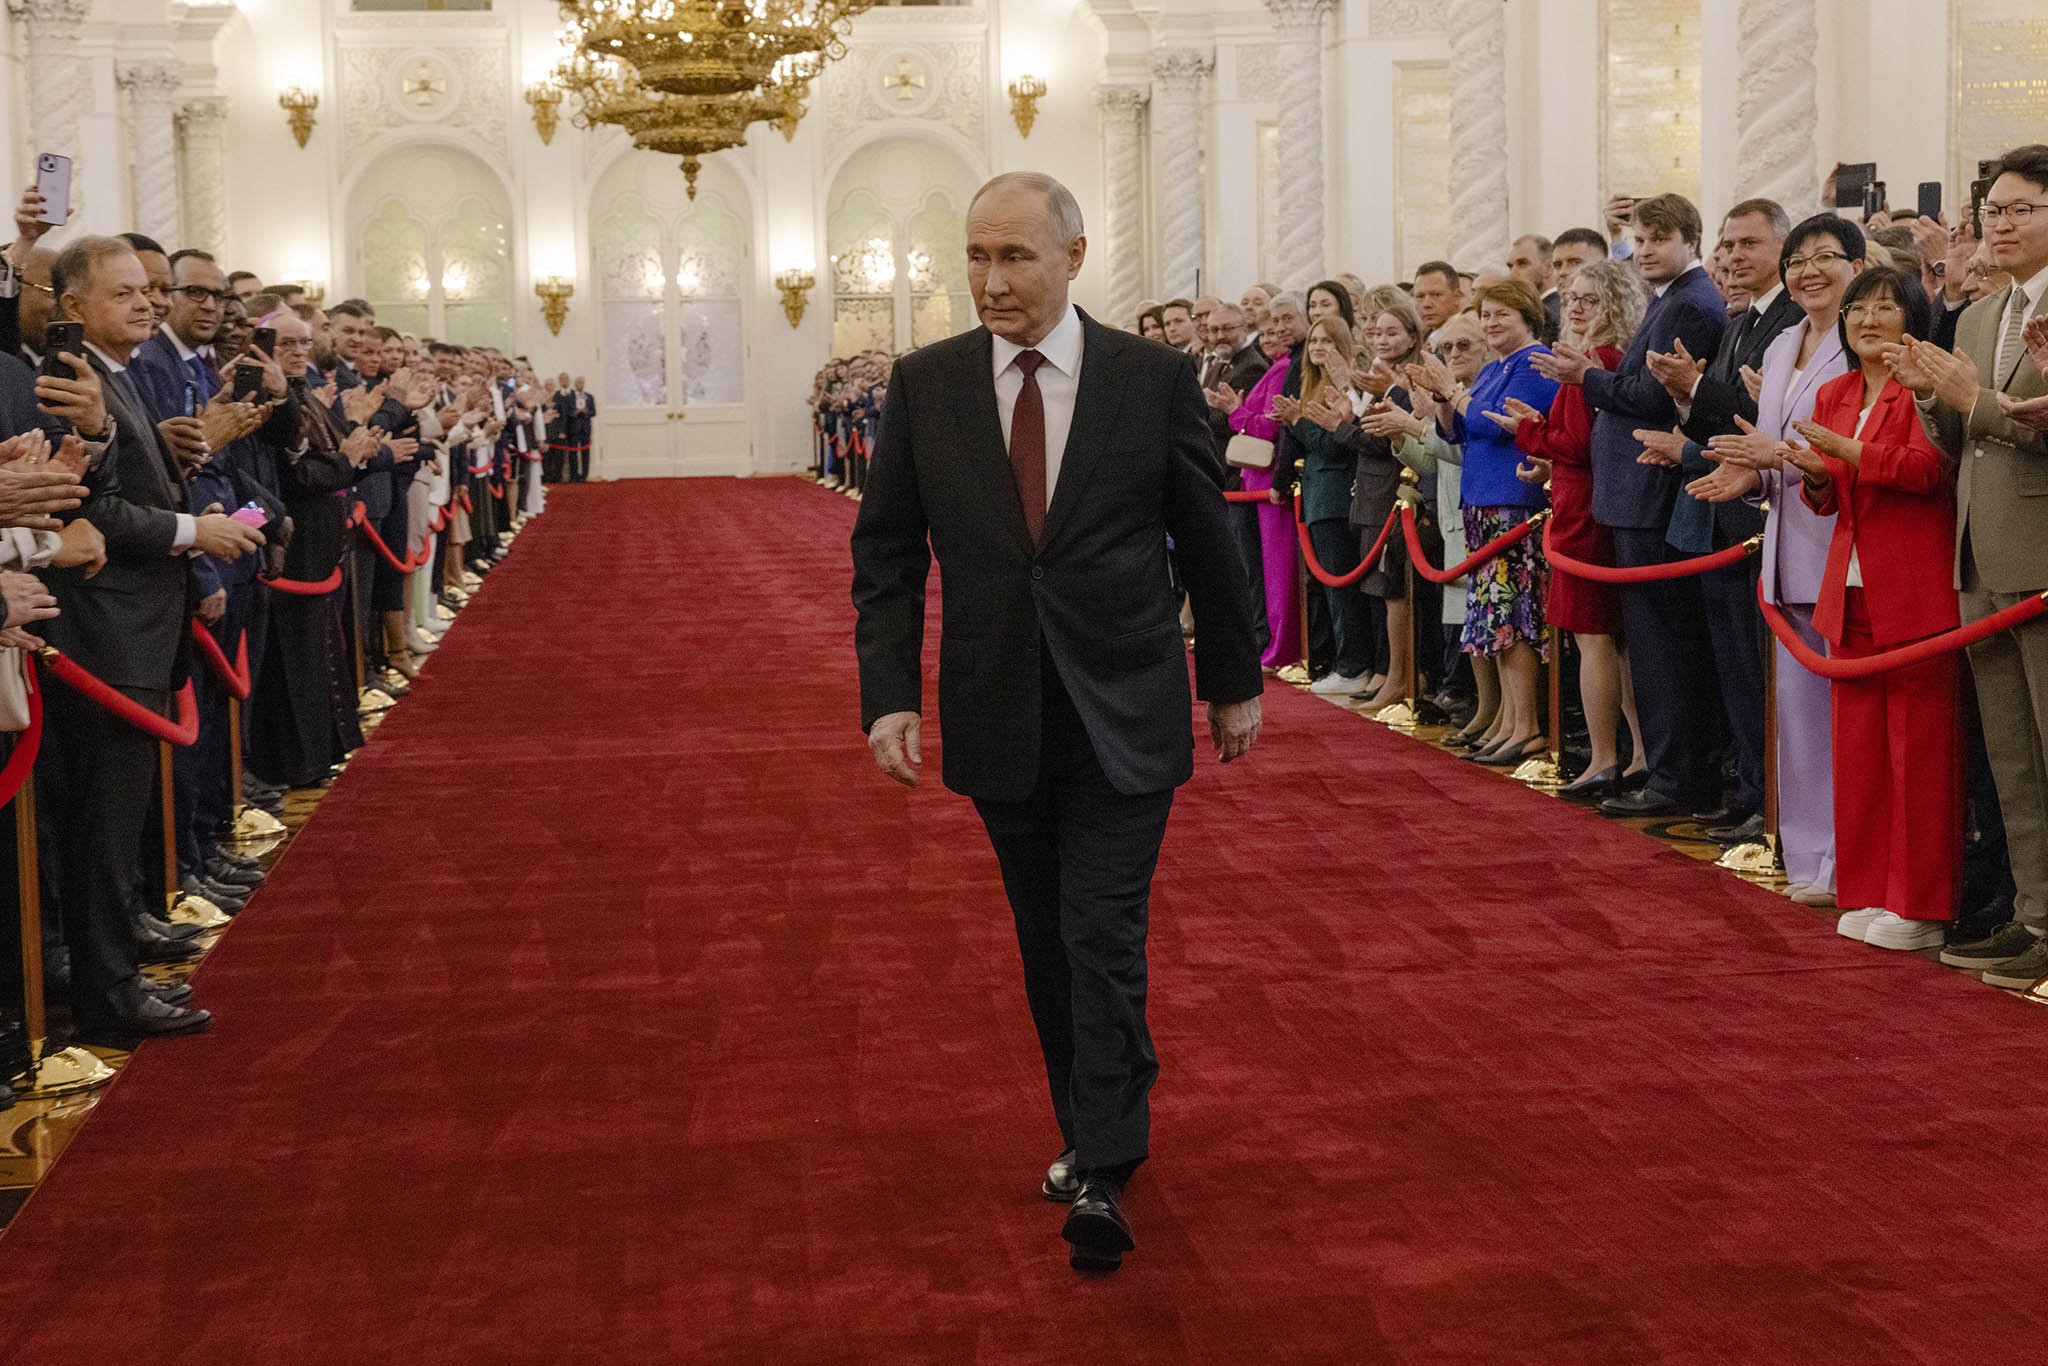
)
(1670, 655)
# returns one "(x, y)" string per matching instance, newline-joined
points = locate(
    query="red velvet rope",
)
(1244, 495)
(235, 677)
(463, 494)
(404, 566)
(497, 489)
(74, 676)
(1471, 562)
(1649, 573)
(23, 760)
(1372, 557)
(306, 588)
(1905, 656)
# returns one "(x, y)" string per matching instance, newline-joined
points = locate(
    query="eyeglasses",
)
(1571, 299)
(1820, 260)
(46, 289)
(2018, 212)
(199, 294)
(1463, 344)
(1880, 308)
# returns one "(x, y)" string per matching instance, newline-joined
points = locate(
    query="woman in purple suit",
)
(1821, 257)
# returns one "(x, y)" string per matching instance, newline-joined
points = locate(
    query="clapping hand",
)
(1342, 372)
(185, 439)
(1432, 375)
(1676, 370)
(1223, 398)
(1753, 381)
(2031, 413)
(26, 598)
(1725, 484)
(1511, 421)
(1329, 410)
(2035, 335)
(1661, 448)
(404, 449)
(1825, 440)
(32, 488)
(1285, 410)
(1749, 448)
(358, 403)
(1931, 372)
(359, 446)
(227, 421)
(1563, 364)
(1533, 469)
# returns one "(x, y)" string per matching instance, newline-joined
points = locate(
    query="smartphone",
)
(1978, 189)
(248, 383)
(53, 178)
(1873, 199)
(60, 339)
(264, 339)
(1850, 179)
(1930, 200)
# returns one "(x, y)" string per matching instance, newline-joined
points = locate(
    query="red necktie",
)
(1027, 444)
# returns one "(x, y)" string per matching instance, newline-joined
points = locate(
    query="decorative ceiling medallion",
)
(904, 81)
(423, 87)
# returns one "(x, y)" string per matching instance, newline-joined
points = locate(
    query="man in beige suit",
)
(1967, 403)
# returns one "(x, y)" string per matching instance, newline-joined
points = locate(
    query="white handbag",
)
(1249, 452)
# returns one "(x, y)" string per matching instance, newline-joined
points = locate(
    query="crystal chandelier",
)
(687, 77)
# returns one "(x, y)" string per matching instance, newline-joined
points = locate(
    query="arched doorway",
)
(433, 228)
(672, 277)
(897, 245)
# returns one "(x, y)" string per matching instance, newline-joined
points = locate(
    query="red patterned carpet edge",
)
(611, 1008)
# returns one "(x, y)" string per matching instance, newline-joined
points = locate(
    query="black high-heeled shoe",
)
(1591, 786)
(1507, 756)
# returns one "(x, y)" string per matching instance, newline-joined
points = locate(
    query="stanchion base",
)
(65, 1072)
(197, 910)
(1400, 716)
(1754, 857)
(375, 699)
(1295, 674)
(1543, 770)
(255, 824)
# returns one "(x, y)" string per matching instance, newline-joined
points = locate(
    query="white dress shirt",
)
(1059, 379)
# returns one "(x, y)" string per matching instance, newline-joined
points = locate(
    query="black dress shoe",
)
(233, 875)
(1643, 804)
(1062, 1182)
(1096, 1228)
(1591, 787)
(229, 899)
(149, 1018)
(1743, 832)
(170, 993)
(158, 926)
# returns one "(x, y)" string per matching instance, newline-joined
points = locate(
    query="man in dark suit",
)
(1529, 262)
(1046, 459)
(1709, 403)
(582, 417)
(125, 625)
(1664, 620)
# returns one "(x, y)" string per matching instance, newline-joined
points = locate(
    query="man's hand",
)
(32, 491)
(1564, 364)
(403, 448)
(1223, 398)
(223, 537)
(227, 421)
(26, 598)
(1926, 369)
(359, 446)
(79, 401)
(1676, 370)
(1661, 448)
(358, 403)
(1725, 484)
(1620, 209)
(2031, 413)
(1234, 728)
(213, 606)
(29, 226)
(2035, 335)
(82, 544)
(1748, 448)
(894, 741)
(185, 438)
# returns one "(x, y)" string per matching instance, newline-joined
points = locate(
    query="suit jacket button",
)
(1037, 571)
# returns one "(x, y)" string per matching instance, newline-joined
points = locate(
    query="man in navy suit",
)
(1670, 655)
(582, 408)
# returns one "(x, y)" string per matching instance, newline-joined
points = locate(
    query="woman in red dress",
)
(1898, 738)
(1603, 305)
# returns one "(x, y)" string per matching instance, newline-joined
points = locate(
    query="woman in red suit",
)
(1889, 581)
(1603, 304)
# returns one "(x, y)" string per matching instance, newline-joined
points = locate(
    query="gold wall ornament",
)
(795, 286)
(298, 104)
(1025, 93)
(545, 99)
(554, 292)
(315, 292)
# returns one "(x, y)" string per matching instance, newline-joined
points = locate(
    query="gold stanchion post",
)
(66, 1071)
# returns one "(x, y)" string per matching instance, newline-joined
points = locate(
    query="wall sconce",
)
(298, 104)
(545, 98)
(1025, 93)
(795, 286)
(554, 292)
(315, 292)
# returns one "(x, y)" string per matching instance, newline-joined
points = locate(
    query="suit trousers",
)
(1806, 765)
(2011, 673)
(1244, 523)
(579, 462)
(1670, 659)
(1077, 858)
(1898, 780)
(100, 786)
(1735, 635)
(1336, 546)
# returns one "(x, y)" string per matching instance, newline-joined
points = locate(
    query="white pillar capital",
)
(1179, 72)
(51, 18)
(1299, 16)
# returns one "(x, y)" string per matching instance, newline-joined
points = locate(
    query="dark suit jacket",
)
(1240, 372)
(1625, 493)
(18, 410)
(1721, 397)
(1096, 592)
(127, 623)
(1553, 317)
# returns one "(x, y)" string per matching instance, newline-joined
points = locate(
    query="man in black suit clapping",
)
(1046, 459)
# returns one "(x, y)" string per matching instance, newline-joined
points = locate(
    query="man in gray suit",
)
(1966, 399)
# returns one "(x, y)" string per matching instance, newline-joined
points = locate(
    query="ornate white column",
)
(1123, 177)
(152, 89)
(206, 206)
(1177, 74)
(1776, 104)
(1479, 133)
(58, 94)
(1301, 141)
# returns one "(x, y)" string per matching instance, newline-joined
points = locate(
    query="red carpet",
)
(672, 1033)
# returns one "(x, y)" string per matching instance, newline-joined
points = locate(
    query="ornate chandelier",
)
(687, 77)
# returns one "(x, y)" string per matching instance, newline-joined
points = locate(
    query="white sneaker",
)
(1889, 931)
(1334, 684)
(1854, 924)
(1807, 895)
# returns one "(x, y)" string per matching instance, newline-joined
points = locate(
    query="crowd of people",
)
(190, 458)
(1831, 431)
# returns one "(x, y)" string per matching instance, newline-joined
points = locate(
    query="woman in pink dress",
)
(1253, 416)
